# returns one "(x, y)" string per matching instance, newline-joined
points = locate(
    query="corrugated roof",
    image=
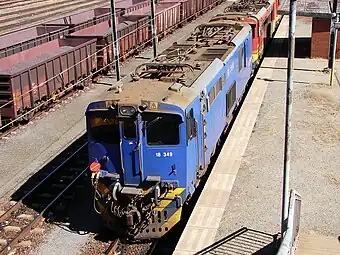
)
(309, 8)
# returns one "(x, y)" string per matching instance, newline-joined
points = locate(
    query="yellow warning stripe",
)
(255, 56)
(168, 198)
(173, 220)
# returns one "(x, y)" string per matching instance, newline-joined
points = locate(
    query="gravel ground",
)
(255, 201)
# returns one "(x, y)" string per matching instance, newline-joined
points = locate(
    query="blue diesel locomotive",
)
(150, 144)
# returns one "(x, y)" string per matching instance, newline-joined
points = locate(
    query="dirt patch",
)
(323, 98)
(327, 133)
(94, 247)
(333, 180)
(323, 114)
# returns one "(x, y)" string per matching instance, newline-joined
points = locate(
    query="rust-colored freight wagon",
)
(34, 36)
(97, 15)
(83, 19)
(29, 38)
(128, 40)
(126, 6)
(203, 6)
(187, 9)
(23, 75)
(167, 15)
(209, 4)
(58, 28)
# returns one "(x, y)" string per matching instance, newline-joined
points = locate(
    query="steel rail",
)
(20, 202)
(112, 249)
(39, 217)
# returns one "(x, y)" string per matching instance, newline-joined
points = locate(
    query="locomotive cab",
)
(135, 155)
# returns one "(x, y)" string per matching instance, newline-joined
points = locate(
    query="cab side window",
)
(191, 125)
(129, 129)
(231, 97)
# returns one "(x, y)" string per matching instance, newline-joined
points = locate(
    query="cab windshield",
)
(104, 127)
(161, 128)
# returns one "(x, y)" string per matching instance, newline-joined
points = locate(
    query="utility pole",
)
(153, 28)
(114, 38)
(333, 40)
(288, 120)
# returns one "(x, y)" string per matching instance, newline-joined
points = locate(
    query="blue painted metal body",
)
(134, 159)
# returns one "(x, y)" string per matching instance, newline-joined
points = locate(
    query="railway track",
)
(7, 5)
(32, 14)
(19, 220)
(119, 248)
(10, 8)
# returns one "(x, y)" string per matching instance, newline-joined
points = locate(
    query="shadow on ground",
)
(244, 241)
(302, 48)
(74, 210)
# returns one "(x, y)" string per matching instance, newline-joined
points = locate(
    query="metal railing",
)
(289, 237)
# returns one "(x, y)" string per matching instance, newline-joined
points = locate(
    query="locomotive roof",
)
(249, 5)
(256, 8)
(172, 76)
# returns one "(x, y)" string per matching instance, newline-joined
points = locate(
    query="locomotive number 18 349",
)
(164, 154)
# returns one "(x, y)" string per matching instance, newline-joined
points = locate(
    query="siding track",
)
(46, 197)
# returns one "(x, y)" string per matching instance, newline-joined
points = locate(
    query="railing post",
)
(288, 120)
(332, 36)
(288, 239)
(333, 41)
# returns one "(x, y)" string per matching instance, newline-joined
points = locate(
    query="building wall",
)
(320, 39)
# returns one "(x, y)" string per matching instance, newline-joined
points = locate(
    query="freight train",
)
(40, 64)
(150, 144)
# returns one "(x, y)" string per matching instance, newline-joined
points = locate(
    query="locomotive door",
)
(130, 151)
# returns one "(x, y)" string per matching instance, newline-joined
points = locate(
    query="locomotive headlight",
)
(95, 166)
(127, 110)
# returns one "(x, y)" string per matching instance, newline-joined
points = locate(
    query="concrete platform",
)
(317, 245)
(244, 188)
(204, 221)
